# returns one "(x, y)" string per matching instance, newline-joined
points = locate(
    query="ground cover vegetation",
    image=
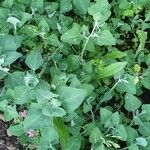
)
(75, 74)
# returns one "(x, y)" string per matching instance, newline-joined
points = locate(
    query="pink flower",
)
(31, 133)
(23, 113)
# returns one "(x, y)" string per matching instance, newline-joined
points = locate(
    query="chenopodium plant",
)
(51, 63)
(45, 107)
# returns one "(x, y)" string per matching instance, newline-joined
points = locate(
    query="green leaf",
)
(71, 97)
(73, 62)
(2, 74)
(131, 102)
(63, 132)
(106, 38)
(59, 80)
(144, 129)
(86, 107)
(120, 132)
(10, 113)
(82, 5)
(3, 105)
(75, 83)
(101, 147)
(15, 79)
(146, 82)
(146, 110)
(53, 111)
(35, 118)
(132, 134)
(49, 136)
(43, 25)
(16, 130)
(29, 30)
(107, 96)
(9, 42)
(90, 46)
(24, 18)
(52, 7)
(14, 21)
(104, 115)
(112, 69)
(9, 94)
(100, 10)
(148, 145)
(113, 120)
(147, 59)
(31, 80)
(141, 141)
(22, 95)
(34, 60)
(8, 3)
(37, 5)
(43, 96)
(127, 85)
(133, 147)
(74, 143)
(11, 57)
(53, 40)
(142, 35)
(65, 6)
(146, 107)
(73, 35)
(42, 86)
(95, 136)
(88, 87)
(115, 54)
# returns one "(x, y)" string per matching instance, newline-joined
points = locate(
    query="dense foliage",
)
(75, 74)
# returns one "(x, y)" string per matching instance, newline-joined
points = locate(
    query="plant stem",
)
(92, 114)
(87, 40)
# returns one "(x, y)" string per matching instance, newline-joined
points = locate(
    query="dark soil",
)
(6, 142)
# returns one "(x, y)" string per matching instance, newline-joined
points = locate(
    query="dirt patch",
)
(6, 142)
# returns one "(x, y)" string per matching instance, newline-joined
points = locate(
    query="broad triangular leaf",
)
(144, 129)
(131, 102)
(104, 114)
(113, 120)
(9, 42)
(35, 118)
(34, 60)
(11, 57)
(16, 130)
(53, 111)
(71, 97)
(73, 35)
(65, 6)
(100, 10)
(82, 5)
(22, 95)
(106, 38)
(120, 132)
(48, 136)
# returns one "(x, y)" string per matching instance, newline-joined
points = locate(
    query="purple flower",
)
(31, 133)
(23, 113)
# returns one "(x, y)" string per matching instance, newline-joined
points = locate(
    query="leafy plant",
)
(74, 73)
